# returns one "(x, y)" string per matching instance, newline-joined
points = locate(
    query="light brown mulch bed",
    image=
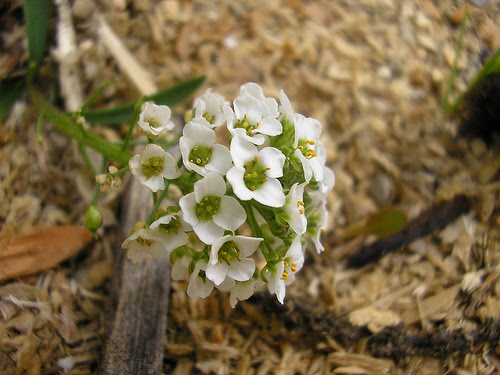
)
(373, 72)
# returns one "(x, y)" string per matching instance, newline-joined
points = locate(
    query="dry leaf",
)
(41, 249)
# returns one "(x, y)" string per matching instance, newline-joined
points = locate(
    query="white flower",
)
(155, 119)
(229, 257)
(152, 166)
(209, 106)
(254, 115)
(255, 173)
(253, 90)
(199, 285)
(283, 273)
(209, 211)
(199, 151)
(317, 216)
(294, 209)
(143, 244)
(307, 144)
(170, 228)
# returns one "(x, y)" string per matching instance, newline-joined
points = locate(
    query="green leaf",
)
(10, 91)
(36, 14)
(122, 113)
(64, 124)
(491, 66)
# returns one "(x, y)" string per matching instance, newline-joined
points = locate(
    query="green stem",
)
(445, 106)
(156, 205)
(38, 129)
(256, 228)
(86, 159)
(135, 116)
(65, 125)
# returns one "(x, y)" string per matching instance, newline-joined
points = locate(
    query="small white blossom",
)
(155, 119)
(307, 145)
(255, 173)
(318, 217)
(199, 151)
(229, 257)
(269, 105)
(199, 285)
(209, 106)
(294, 209)
(152, 166)
(254, 115)
(143, 244)
(283, 273)
(171, 229)
(210, 211)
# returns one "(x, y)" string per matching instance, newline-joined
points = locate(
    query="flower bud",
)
(93, 219)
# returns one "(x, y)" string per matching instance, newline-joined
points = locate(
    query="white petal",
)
(252, 89)
(247, 245)
(208, 232)
(286, 107)
(295, 253)
(227, 285)
(155, 183)
(230, 116)
(235, 178)
(317, 169)
(214, 249)
(180, 269)
(242, 151)
(231, 214)
(176, 240)
(269, 126)
(270, 193)
(213, 184)
(328, 181)
(135, 166)
(217, 272)
(248, 107)
(221, 160)
(170, 169)
(242, 270)
(186, 145)
(199, 133)
(241, 292)
(188, 204)
(199, 288)
(151, 151)
(273, 159)
(305, 165)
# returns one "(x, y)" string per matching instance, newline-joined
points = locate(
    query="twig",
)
(127, 62)
(437, 217)
(139, 301)
(67, 56)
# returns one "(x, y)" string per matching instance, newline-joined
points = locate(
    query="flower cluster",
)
(248, 209)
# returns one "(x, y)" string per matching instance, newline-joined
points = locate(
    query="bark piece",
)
(136, 331)
(42, 249)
